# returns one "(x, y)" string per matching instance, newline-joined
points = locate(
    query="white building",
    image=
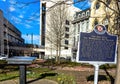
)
(98, 13)
(67, 41)
(81, 24)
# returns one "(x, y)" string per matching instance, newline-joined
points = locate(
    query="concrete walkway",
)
(41, 81)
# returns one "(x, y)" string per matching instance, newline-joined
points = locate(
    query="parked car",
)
(3, 57)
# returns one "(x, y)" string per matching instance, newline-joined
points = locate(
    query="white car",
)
(3, 57)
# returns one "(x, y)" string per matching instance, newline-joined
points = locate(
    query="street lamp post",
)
(31, 38)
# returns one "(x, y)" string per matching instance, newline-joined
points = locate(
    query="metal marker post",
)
(21, 61)
(22, 74)
(96, 73)
(100, 46)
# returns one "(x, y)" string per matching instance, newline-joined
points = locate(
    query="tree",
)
(116, 29)
(117, 80)
(55, 29)
(111, 13)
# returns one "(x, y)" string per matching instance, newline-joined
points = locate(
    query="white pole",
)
(96, 73)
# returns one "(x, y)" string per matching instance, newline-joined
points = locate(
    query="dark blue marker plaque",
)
(97, 46)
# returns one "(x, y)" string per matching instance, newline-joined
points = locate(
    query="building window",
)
(87, 13)
(96, 22)
(77, 38)
(105, 21)
(66, 42)
(87, 26)
(5, 25)
(43, 6)
(66, 47)
(79, 15)
(5, 35)
(97, 5)
(66, 35)
(83, 14)
(108, 2)
(67, 22)
(78, 28)
(106, 27)
(67, 29)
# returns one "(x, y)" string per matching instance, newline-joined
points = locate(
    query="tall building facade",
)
(9, 36)
(58, 21)
(101, 12)
(43, 21)
(81, 24)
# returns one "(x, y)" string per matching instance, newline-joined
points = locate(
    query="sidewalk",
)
(41, 81)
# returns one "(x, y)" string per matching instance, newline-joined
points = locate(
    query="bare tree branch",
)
(108, 6)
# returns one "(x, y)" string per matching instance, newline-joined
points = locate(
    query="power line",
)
(64, 2)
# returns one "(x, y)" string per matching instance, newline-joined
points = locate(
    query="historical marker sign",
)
(97, 46)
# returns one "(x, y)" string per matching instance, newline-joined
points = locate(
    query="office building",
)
(10, 37)
(57, 18)
(81, 24)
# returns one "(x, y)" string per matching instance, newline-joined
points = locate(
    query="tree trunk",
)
(56, 56)
(59, 53)
(117, 79)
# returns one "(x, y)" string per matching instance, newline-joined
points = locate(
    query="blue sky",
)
(84, 4)
(26, 16)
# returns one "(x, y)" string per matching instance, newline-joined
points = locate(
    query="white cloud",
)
(12, 1)
(27, 26)
(18, 20)
(15, 19)
(11, 8)
(28, 38)
(38, 19)
(36, 37)
(89, 3)
(4, 0)
(21, 16)
(28, 21)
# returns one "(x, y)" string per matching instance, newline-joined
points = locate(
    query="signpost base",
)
(22, 74)
(97, 48)
(96, 73)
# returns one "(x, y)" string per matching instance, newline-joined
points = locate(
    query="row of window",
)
(67, 22)
(66, 44)
(84, 14)
(14, 30)
(11, 38)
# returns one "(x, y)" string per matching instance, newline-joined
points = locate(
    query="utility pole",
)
(32, 38)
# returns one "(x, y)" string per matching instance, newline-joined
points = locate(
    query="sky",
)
(84, 4)
(25, 15)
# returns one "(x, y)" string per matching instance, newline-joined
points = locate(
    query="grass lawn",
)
(38, 73)
(62, 77)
